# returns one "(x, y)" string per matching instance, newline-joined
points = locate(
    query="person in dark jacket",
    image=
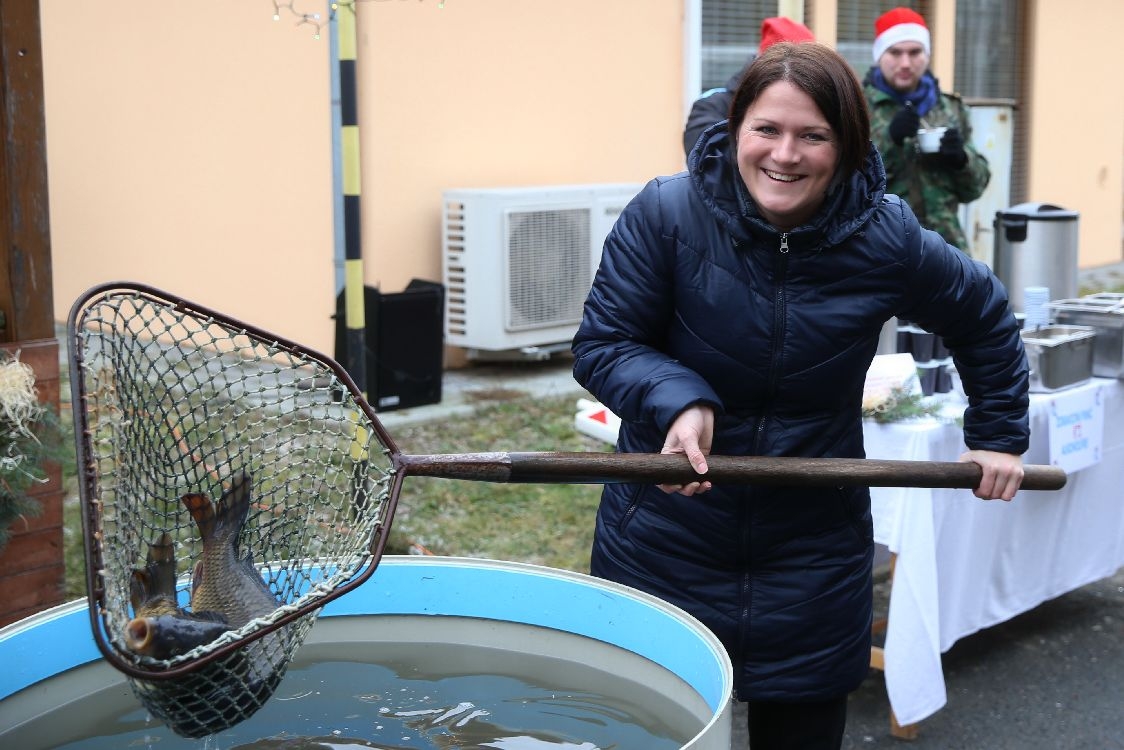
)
(735, 311)
(713, 105)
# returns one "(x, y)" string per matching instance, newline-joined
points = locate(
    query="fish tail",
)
(157, 580)
(162, 550)
(202, 511)
(233, 507)
(139, 585)
(162, 566)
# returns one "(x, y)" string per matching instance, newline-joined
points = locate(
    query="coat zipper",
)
(778, 334)
(774, 374)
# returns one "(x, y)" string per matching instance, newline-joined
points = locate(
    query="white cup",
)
(929, 140)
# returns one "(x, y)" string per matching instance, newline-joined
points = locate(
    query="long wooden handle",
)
(656, 468)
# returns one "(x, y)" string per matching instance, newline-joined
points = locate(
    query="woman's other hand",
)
(691, 433)
(1002, 474)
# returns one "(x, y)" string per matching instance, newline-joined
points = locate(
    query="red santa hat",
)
(782, 29)
(897, 26)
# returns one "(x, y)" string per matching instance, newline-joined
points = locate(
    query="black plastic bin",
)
(404, 342)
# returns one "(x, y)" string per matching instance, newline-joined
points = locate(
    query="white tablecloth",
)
(964, 564)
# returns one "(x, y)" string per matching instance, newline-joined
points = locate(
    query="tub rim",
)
(404, 584)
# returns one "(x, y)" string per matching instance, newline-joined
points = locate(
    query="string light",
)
(316, 20)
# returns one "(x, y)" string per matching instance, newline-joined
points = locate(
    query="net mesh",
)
(172, 401)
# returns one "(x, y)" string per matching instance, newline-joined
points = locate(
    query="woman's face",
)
(787, 155)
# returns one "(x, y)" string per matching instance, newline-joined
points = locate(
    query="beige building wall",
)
(1077, 120)
(506, 93)
(189, 144)
(189, 147)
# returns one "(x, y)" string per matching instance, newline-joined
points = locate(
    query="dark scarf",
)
(923, 98)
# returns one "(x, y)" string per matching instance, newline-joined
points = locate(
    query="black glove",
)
(904, 125)
(952, 149)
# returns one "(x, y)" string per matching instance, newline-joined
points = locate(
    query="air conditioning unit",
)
(518, 263)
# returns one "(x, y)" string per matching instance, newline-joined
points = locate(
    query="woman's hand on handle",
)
(1002, 474)
(691, 433)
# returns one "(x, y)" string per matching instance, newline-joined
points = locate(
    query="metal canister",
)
(1036, 246)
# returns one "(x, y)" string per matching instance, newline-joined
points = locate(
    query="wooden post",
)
(26, 299)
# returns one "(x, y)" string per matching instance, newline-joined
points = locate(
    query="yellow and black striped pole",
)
(354, 308)
(355, 314)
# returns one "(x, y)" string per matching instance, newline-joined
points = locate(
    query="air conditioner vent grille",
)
(454, 271)
(548, 267)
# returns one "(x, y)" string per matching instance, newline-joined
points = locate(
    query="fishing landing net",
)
(171, 400)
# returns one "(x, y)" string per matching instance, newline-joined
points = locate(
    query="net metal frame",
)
(170, 398)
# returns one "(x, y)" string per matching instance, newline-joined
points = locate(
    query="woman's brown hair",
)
(822, 74)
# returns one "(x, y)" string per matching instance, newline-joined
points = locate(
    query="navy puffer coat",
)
(699, 300)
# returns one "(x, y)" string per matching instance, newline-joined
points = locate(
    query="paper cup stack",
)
(1035, 301)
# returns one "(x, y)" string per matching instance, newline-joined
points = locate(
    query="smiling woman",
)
(737, 309)
(787, 155)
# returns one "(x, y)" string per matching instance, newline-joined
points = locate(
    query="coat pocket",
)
(855, 505)
(631, 497)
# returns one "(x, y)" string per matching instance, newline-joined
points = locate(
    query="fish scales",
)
(224, 580)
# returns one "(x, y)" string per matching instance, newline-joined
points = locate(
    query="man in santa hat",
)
(904, 97)
(714, 105)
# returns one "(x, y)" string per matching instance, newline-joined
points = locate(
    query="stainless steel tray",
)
(1060, 356)
(1105, 313)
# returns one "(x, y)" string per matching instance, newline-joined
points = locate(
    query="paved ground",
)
(1049, 679)
(466, 389)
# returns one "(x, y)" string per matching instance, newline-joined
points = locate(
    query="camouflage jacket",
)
(933, 191)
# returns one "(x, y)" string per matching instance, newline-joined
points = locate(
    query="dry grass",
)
(544, 524)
